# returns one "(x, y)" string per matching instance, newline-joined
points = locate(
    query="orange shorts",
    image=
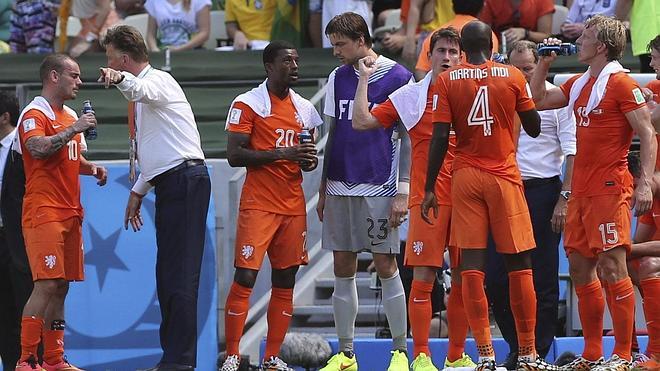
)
(598, 223)
(484, 202)
(55, 250)
(284, 237)
(426, 242)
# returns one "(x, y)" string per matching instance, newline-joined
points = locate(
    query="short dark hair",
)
(469, 7)
(351, 25)
(634, 164)
(128, 40)
(448, 33)
(272, 49)
(9, 103)
(654, 44)
(522, 45)
(56, 62)
(477, 37)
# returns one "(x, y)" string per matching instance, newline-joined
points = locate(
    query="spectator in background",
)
(466, 11)
(580, 11)
(518, 19)
(5, 23)
(333, 7)
(178, 24)
(314, 24)
(125, 8)
(33, 26)
(419, 18)
(249, 23)
(95, 18)
(644, 26)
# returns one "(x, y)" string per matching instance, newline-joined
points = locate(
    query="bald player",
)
(487, 190)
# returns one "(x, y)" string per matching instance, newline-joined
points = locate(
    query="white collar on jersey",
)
(259, 100)
(410, 101)
(598, 90)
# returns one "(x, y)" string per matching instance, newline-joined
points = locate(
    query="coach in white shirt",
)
(171, 160)
(540, 161)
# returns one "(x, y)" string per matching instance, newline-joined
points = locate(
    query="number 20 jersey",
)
(480, 102)
(52, 189)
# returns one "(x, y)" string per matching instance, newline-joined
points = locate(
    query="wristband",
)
(403, 188)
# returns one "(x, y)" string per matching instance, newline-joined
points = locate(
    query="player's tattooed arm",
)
(41, 147)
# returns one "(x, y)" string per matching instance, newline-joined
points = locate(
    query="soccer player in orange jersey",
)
(653, 87)
(263, 126)
(609, 107)
(52, 146)
(479, 99)
(413, 106)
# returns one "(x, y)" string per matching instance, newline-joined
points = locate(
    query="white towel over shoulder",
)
(598, 90)
(410, 101)
(259, 100)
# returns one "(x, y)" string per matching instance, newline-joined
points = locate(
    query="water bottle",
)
(90, 134)
(305, 137)
(499, 58)
(561, 49)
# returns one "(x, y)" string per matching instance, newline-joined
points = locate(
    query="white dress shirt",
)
(166, 129)
(582, 10)
(4, 152)
(543, 156)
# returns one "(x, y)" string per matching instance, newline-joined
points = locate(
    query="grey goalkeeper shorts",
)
(358, 224)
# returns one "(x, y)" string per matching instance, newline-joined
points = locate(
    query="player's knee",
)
(245, 277)
(611, 268)
(518, 262)
(345, 264)
(649, 267)
(284, 278)
(385, 265)
(51, 288)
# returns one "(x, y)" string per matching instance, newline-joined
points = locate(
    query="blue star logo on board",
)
(103, 256)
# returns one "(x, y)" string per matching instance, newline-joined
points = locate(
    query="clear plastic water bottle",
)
(90, 134)
(561, 49)
(305, 137)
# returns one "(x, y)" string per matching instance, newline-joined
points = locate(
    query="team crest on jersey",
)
(418, 246)
(639, 97)
(50, 261)
(235, 116)
(247, 251)
(29, 124)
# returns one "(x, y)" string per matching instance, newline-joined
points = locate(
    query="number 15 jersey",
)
(481, 101)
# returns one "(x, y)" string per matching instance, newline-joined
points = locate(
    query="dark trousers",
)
(541, 197)
(15, 289)
(182, 202)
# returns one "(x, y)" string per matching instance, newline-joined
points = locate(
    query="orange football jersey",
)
(420, 138)
(52, 189)
(480, 102)
(274, 187)
(603, 136)
(654, 86)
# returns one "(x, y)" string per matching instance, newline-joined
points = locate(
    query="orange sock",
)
(53, 346)
(622, 297)
(31, 328)
(236, 310)
(280, 311)
(651, 287)
(591, 308)
(476, 308)
(457, 322)
(523, 305)
(420, 313)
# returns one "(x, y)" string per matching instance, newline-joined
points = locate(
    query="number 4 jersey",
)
(481, 101)
(52, 190)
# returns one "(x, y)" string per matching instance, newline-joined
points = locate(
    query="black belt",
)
(535, 182)
(185, 164)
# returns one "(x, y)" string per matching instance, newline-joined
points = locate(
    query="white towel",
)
(41, 104)
(259, 100)
(410, 101)
(598, 89)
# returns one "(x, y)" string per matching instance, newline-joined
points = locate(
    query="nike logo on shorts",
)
(415, 300)
(377, 243)
(229, 312)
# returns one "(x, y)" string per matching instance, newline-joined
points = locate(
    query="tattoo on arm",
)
(41, 147)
